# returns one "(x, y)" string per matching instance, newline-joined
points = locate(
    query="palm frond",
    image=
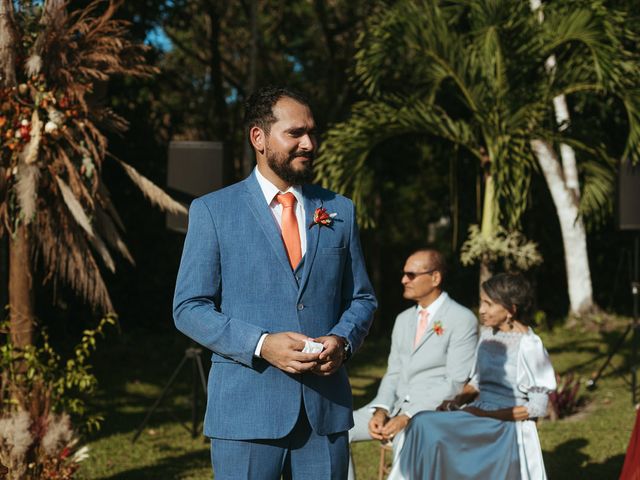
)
(67, 257)
(77, 212)
(152, 192)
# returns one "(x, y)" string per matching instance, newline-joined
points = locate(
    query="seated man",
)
(432, 350)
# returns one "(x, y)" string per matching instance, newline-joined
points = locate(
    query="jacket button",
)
(300, 306)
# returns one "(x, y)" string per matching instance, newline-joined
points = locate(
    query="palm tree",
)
(473, 73)
(52, 146)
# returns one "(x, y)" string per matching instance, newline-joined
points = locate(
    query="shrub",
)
(39, 395)
(566, 400)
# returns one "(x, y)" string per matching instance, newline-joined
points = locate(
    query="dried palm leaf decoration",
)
(52, 144)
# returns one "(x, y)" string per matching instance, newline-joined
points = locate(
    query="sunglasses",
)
(413, 275)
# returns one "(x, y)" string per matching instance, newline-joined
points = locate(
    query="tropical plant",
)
(55, 66)
(566, 399)
(42, 396)
(473, 73)
(515, 252)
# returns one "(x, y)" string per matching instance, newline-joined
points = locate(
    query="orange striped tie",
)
(290, 232)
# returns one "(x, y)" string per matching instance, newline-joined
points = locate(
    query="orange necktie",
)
(290, 232)
(423, 321)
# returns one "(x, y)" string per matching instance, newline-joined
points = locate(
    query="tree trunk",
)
(7, 45)
(488, 227)
(566, 200)
(574, 237)
(21, 299)
(220, 120)
(248, 161)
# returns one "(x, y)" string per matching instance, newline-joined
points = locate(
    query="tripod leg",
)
(202, 375)
(160, 398)
(198, 374)
(635, 291)
(591, 384)
(194, 396)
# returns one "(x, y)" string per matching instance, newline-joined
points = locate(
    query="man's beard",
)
(281, 166)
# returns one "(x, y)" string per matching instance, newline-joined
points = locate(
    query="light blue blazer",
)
(235, 283)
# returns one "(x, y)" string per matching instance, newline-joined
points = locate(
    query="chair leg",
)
(381, 466)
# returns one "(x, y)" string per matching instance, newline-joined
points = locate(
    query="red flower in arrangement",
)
(66, 451)
(438, 328)
(321, 217)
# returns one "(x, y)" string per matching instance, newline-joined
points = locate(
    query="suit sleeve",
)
(461, 353)
(386, 396)
(358, 299)
(196, 302)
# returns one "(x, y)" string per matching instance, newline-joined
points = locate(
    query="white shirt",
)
(269, 190)
(432, 309)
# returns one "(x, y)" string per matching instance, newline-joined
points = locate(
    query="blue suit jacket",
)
(235, 283)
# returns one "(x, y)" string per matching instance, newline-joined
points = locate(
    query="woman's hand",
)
(514, 414)
(478, 412)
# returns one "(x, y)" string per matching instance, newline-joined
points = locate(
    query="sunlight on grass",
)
(590, 444)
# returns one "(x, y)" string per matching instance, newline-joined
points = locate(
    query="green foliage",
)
(512, 248)
(476, 75)
(36, 378)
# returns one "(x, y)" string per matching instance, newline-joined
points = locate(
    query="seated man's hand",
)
(394, 426)
(284, 351)
(332, 355)
(376, 424)
(447, 406)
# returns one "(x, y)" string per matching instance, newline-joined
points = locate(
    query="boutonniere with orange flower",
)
(438, 328)
(322, 217)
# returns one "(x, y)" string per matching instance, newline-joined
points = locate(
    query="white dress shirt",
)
(432, 309)
(269, 190)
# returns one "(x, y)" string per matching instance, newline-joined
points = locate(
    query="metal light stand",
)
(635, 291)
(633, 327)
(194, 354)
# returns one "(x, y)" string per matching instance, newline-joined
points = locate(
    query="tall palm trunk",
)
(7, 45)
(571, 226)
(566, 201)
(489, 224)
(21, 300)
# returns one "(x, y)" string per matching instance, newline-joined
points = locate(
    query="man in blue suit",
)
(269, 264)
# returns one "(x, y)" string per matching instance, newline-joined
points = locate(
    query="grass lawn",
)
(132, 370)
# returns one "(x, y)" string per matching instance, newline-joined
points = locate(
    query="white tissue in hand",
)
(312, 347)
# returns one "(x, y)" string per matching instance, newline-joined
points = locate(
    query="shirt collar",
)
(435, 305)
(269, 190)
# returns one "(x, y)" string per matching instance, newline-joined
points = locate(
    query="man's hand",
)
(284, 351)
(331, 357)
(376, 424)
(394, 426)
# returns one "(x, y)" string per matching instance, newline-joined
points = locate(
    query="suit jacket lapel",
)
(313, 233)
(260, 210)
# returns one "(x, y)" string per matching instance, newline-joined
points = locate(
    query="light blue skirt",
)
(458, 445)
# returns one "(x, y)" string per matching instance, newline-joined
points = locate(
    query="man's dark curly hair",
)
(258, 109)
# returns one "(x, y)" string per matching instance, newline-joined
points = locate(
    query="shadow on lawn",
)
(593, 345)
(168, 467)
(568, 461)
(132, 372)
